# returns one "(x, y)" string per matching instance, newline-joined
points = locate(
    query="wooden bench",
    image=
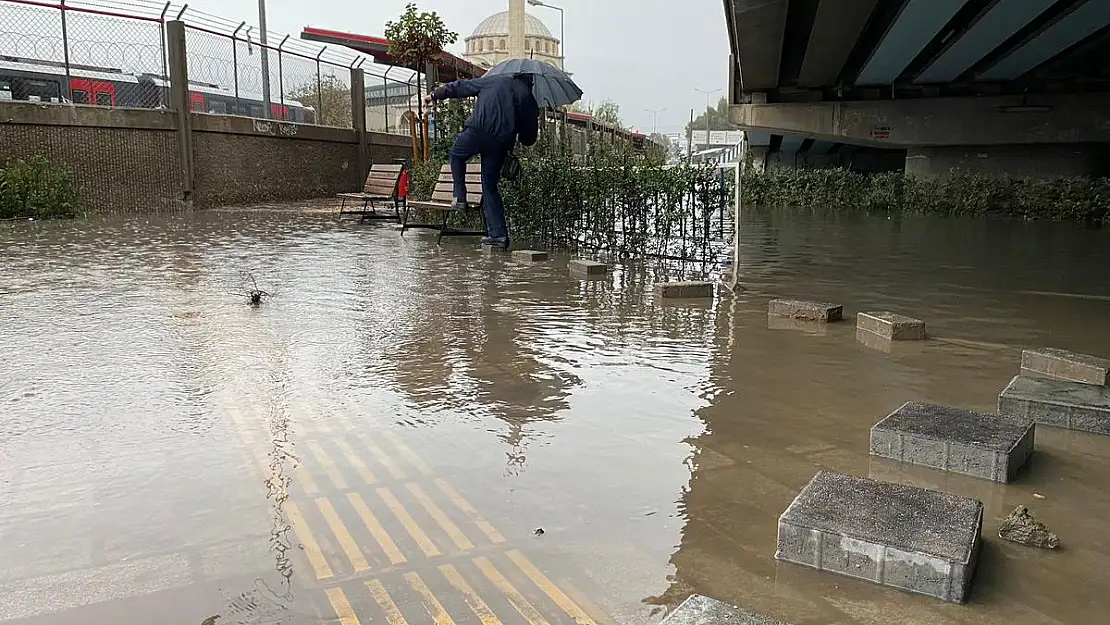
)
(443, 201)
(383, 184)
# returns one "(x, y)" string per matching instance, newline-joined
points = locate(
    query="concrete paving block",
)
(801, 309)
(891, 325)
(589, 268)
(1065, 365)
(493, 250)
(910, 538)
(954, 439)
(819, 328)
(684, 290)
(1059, 403)
(529, 256)
(701, 610)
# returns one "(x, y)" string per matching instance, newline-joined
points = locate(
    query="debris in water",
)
(1039, 496)
(250, 290)
(210, 620)
(538, 531)
(1020, 527)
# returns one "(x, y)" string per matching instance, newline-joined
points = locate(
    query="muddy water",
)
(382, 440)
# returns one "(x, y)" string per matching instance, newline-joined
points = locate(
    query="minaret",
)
(516, 29)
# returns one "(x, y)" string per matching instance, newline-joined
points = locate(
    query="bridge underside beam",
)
(756, 30)
(837, 21)
(984, 121)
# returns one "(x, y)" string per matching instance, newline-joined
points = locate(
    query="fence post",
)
(319, 89)
(66, 93)
(358, 120)
(179, 100)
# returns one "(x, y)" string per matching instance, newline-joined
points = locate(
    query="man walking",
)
(506, 109)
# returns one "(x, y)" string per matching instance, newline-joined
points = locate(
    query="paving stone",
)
(797, 325)
(684, 290)
(588, 268)
(701, 610)
(954, 439)
(906, 537)
(801, 309)
(529, 256)
(1059, 403)
(891, 325)
(1065, 365)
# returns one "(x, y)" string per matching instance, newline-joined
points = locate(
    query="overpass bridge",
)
(1021, 86)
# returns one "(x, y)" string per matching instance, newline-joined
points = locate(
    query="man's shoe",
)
(501, 242)
(460, 206)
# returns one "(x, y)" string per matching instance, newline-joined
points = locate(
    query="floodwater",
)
(384, 438)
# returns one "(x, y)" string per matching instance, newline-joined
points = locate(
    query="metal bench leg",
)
(443, 226)
(405, 220)
(342, 205)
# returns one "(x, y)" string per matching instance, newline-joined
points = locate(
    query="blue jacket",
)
(505, 109)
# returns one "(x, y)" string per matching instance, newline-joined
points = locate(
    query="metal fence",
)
(113, 53)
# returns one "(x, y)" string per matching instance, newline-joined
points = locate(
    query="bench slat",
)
(449, 196)
(381, 167)
(475, 178)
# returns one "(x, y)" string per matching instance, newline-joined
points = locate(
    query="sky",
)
(642, 54)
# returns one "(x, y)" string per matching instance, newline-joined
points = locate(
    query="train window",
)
(80, 96)
(5, 91)
(104, 99)
(256, 111)
(217, 107)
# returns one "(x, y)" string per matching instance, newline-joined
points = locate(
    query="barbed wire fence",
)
(113, 53)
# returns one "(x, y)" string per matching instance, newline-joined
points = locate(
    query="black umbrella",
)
(551, 86)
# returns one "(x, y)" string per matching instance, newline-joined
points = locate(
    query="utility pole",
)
(690, 138)
(654, 118)
(265, 59)
(708, 94)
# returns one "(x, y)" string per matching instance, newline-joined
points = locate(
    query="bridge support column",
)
(1048, 160)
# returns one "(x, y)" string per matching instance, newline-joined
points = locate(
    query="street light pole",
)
(654, 118)
(562, 28)
(265, 59)
(708, 94)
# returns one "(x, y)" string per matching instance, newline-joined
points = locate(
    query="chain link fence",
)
(113, 53)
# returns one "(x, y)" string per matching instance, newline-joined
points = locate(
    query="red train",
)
(45, 81)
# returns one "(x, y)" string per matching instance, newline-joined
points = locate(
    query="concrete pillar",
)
(358, 120)
(179, 102)
(516, 29)
(1046, 160)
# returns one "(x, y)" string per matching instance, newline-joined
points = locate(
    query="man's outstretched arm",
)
(460, 89)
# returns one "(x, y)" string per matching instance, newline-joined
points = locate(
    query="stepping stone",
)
(1059, 403)
(906, 537)
(801, 309)
(1065, 365)
(954, 439)
(684, 290)
(819, 328)
(701, 610)
(891, 326)
(529, 256)
(588, 268)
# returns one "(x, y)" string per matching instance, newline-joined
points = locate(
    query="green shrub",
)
(962, 193)
(36, 188)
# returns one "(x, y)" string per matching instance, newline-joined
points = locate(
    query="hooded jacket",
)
(506, 108)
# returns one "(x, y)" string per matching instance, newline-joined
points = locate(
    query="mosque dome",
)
(498, 25)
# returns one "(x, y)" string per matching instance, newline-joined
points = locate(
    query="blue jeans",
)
(469, 143)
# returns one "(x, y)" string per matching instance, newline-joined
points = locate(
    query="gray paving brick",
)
(529, 256)
(1058, 403)
(1065, 365)
(588, 268)
(801, 309)
(891, 325)
(701, 610)
(954, 439)
(910, 538)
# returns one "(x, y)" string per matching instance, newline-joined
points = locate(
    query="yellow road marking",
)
(346, 541)
(481, 610)
(382, 458)
(393, 616)
(309, 484)
(321, 426)
(342, 607)
(530, 613)
(304, 535)
(549, 588)
(462, 504)
(375, 527)
(431, 604)
(426, 545)
(329, 467)
(406, 452)
(457, 537)
(356, 462)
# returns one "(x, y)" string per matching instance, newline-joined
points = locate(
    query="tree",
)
(608, 112)
(415, 39)
(718, 118)
(331, 98)
(670, 150)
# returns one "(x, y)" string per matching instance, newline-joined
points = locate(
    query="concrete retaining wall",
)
(128, 161)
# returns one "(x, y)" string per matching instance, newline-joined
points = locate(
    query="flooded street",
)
(407, 433)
